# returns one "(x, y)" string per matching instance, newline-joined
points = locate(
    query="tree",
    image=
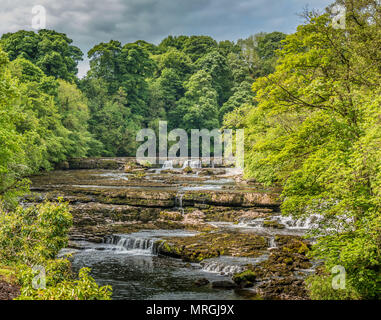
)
(177, 42)
(125, 67)
(72, 106)
(116, 126)
(198, 109)
(216, 65)
(51, 51)
(317, 132)
(259, 52)
(197, 46)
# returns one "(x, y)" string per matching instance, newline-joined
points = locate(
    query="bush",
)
(358, 251)
(33, 237)
(85, 288)
(34, 234)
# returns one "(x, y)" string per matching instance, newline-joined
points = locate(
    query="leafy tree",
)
(13, 159)
(259, 52)
(316, 131)
(73, 108)
(227, 47)
(51, 51)
(125, 67)
(242, 95)
(216, 65)
(198, 108)
(197, 46)
(177, 60)
(177, 42)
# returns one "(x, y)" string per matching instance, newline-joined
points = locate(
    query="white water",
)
(272, 243)
(311, 222)
(194, 164)
(167, 165)
(228, 265)
(132, 245)
(179, 202)
(202, 187)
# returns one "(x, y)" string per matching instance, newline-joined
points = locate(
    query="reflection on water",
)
(144, 277)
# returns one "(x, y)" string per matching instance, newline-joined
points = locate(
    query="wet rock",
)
(210, 245)
(212, 172)
(201, 282)
(245, 279)
(188, 170)
(96, 163)
(224, 284)
(284, 289)
(273, 224)
(290, 256)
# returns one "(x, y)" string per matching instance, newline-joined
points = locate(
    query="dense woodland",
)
(310, 104)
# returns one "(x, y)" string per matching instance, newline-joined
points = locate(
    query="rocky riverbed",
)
(178, 231)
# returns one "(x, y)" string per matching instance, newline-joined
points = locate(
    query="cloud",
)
(89, 22)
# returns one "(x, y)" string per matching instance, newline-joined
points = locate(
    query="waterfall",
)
(125, 243)
(167, 165)
(187, 163)
(218, 267)
(310, 222)
(272, 243)
(194, 164)
(179, 202)
(227, 265)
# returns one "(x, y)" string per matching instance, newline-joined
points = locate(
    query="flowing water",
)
(131, 265)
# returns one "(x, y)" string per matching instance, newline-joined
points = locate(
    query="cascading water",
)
(216, 267)
(179, 202)
(227, 265)
(167, 165)
(272, 243)
(125, 243)
(194, 164)
(186, 164)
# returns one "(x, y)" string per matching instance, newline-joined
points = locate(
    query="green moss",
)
(247, 276)
(273, 224)
(188, 170)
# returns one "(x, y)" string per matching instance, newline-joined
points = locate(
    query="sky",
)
(89, 22)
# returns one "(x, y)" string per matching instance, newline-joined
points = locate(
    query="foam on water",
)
(227, 265)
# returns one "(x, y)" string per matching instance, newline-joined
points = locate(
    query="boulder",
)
(201, 282)
(224, 284)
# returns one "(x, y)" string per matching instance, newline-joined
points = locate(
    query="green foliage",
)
(33, 234)
(49, 50)
(43, 121)
(198, 108)
(316, 131)
(198, 46)
(85, 288)
(160, 83)
(74, 111)
(32, 237)
(259, 52)
(216, 65)
(358, 251)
